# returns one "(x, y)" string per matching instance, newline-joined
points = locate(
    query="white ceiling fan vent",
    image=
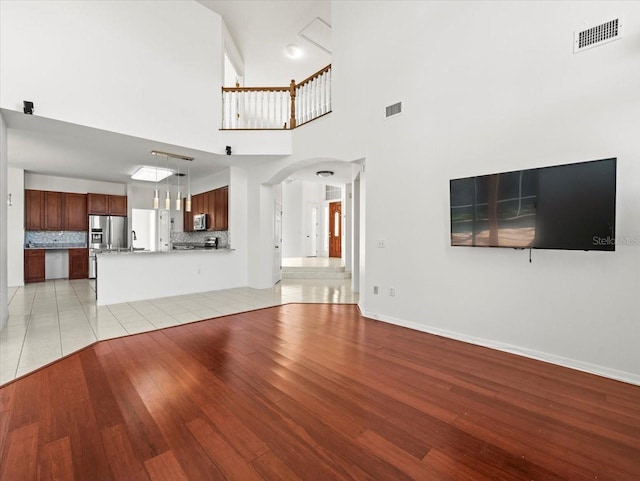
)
(597, 35)
(393, 110)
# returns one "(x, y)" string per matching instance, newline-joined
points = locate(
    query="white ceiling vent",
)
(393, 110)
(597, 35)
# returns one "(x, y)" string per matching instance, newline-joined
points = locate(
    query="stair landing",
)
(314, 268)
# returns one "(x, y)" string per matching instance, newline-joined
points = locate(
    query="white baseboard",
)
(623, 376)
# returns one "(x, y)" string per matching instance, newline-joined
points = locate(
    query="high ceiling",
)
(261, 30)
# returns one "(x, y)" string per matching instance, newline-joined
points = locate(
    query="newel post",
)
(292, 94)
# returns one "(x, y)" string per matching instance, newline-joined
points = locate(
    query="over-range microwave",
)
(200, 222)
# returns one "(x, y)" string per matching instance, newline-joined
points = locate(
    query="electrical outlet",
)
(375, 290)
(392, 291)
(381, 244)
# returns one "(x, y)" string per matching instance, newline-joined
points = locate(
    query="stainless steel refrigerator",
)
(106, 232)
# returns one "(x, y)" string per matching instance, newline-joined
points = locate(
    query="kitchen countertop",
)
(174, 251)
(56, 245)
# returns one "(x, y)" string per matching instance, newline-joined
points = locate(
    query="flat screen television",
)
(570, 206)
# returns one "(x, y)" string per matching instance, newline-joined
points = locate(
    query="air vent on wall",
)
(393, 110)
(598, 35)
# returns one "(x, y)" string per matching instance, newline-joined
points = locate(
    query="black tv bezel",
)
(615, 201)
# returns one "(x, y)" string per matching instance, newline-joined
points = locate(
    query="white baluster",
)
(225, 110)
(323, 98)
(329, 98)
(263, 114)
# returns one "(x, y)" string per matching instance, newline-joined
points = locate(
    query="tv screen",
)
(569, 206)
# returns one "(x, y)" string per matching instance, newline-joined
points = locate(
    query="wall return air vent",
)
(393, 110)
(598, 35)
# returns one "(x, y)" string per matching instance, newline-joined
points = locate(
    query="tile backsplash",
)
(55, 239)
(199, 237)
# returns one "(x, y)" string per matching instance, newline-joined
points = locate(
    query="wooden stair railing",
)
(264, 108)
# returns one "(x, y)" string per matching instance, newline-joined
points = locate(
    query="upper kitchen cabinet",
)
(117, 205)
(53, 211)
(103, 204)
(97, 204)
(33, 210)
(75, 212)
(221, 213)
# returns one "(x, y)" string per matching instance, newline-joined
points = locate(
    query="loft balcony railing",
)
(264, 108)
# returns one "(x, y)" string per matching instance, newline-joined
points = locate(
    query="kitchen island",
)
(135, 276)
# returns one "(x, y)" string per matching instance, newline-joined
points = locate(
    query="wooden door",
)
(78, 263)
(117, 205)
(53, 211)
(335, 229)
(33, 210)
(75, 212)
(34, 265)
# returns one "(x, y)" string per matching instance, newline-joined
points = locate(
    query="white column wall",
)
(143, 68)
(293, 228)
(15, 228)
(489, 87)
(4, 291)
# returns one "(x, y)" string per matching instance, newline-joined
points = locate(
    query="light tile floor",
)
(49, 320)
(311, 262)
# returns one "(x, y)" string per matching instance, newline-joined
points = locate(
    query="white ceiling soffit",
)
(318, 32)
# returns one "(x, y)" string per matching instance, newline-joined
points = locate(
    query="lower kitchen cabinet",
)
(34, 265)
(78, 263)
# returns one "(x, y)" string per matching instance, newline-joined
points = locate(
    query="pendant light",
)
(167, 201)
(179, 195)
(187, 204)
(156, 193)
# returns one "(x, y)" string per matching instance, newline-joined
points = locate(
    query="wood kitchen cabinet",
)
(214, 203)
(34, 265)
(198, 204)
(33, 210)
(75, 212)
(78, 263)
(221, 213)
(97, 204)
(52, 210)
(117, 205)
(104, 204)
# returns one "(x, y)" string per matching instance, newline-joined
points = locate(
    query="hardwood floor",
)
(312, 392)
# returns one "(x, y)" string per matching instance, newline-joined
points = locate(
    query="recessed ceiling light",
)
(324, 173)
(293, 51)
(151, 174)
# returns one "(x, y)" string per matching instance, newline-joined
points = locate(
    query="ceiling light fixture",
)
(187, 203)
(324, 173)
(293, 51)
(148, 174)
(167, 201)
(179, 194)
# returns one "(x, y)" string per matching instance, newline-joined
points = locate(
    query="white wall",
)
(238, 217)
(484, 91)
(66, 184)
(292, 220)
(15, 227)
(4, 301)
(146, 68)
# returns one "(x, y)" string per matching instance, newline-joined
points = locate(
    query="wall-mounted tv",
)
(569, 206)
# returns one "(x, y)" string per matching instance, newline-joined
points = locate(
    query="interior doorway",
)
(335, 229)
